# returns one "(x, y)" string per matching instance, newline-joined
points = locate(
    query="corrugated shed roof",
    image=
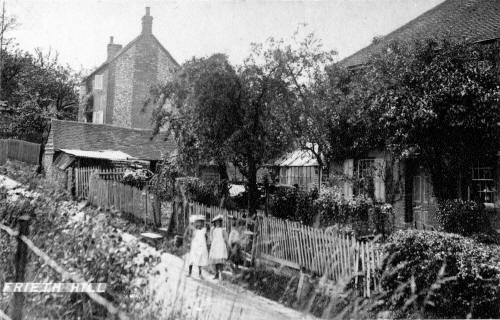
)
(104, 154)
(297, 158)
(467, 20)
(138, 143)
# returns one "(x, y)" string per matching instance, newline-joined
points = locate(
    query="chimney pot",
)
(113, 48)
(147, 23)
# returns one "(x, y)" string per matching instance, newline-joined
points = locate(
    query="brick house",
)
(115, 92)
(474, 21)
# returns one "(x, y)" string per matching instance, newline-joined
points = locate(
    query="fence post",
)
(20, 265)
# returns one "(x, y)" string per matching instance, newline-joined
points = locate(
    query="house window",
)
(98, 82)
(363, 174)
(483, 184)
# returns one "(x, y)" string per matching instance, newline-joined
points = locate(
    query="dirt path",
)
(209, 299)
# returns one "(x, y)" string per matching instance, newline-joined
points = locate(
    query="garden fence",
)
(20, 150)
(332, 255)
(82, 178)
(139, 204)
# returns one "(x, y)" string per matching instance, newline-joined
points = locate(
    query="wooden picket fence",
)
(334, 256)
(133, 202)
(19, 150)
(82, 178)
(139, 204)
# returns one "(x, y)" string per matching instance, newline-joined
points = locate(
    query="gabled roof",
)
(139, 143)
(464, 20)
(126, 48)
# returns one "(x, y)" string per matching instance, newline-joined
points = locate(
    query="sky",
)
(79, 30)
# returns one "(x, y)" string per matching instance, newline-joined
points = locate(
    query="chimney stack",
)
(147, 23)
(113, 48)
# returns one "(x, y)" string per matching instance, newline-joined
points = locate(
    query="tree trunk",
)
(252, 187)
(223, 183)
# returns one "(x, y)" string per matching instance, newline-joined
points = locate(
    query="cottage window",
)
(98, 79)
(363, 174)
(482, 184)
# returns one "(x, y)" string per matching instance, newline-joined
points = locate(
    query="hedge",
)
(440, 275)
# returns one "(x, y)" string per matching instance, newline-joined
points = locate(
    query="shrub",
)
(194, 189)
(365, 216)
(440, 275)
(294, 204)
(462, 217)
(137, 177)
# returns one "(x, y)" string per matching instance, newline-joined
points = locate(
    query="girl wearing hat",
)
(198, 254)
(218, 249)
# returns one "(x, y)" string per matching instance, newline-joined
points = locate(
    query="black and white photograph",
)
(249, 159)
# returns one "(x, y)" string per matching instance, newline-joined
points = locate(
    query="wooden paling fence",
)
(19, 150)
(140, 204)
(334, 256)
(82, 178)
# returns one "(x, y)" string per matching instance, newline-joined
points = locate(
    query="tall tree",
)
(37, 87)
(219, 113)
(7, 23)
(301, 65)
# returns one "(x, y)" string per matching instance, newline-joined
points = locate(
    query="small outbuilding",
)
(299, 168)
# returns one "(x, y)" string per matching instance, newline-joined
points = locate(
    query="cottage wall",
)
(124, 88)
(145, 75)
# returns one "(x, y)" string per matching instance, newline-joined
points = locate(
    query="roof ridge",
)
(103, 124)
(469, 20)
(395, 30)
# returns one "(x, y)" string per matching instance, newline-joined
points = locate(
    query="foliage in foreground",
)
(462, 217)
(85, 243)
(440, 275)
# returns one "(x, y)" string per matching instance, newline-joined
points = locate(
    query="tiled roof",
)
(138, 143)
(467, 20)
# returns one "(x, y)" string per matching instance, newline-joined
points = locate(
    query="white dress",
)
(218, 249)
(198, 255)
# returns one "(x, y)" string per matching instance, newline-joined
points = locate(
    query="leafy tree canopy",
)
(36, 87)
(435, 101)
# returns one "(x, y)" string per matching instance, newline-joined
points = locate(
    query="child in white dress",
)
(219, 247)
(198, 254)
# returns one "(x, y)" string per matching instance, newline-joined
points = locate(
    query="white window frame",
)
(482, 177)
(98, 82)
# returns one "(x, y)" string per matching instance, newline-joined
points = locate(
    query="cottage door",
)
(423, 199)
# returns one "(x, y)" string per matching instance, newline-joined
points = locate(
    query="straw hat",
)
(217, 217)
(196, 217)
